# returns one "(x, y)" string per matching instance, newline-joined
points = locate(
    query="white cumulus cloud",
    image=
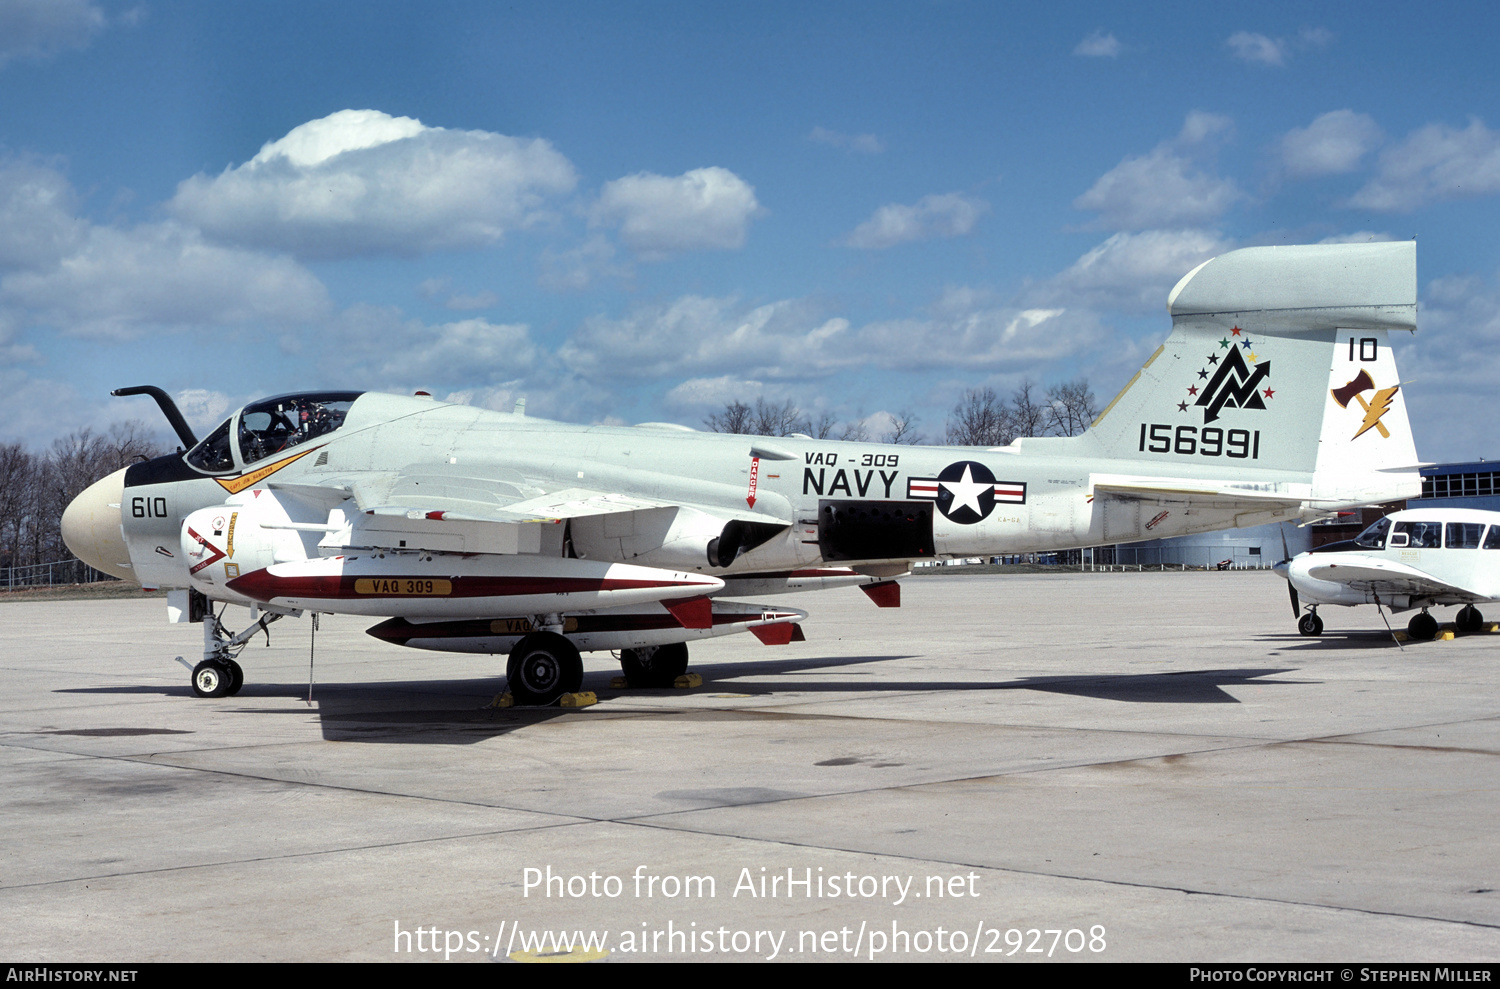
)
(361, 182)
(118, 283)
(383, 347)
(1100, 44)
(697, 335)
(1249, 46)
(1167, 187)
(658, 215)
(39, 28)
(1130, 272)
(1434, 163)
(1332, 144)
(1261, 49)
(949, 215)
(864, 143)
(37, 225)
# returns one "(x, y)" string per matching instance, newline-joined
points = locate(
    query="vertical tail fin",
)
(1279, 359)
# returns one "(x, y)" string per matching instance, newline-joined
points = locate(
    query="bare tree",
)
(734, 419)
(1028, 417)
(35, 488)
(823, 427)
(979, 419)
(855, 431)
(1070, 408)
(777, 420)
(18, 477)
(903, 428)
(762, 419)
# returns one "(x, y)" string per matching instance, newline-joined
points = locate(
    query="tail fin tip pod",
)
(1279, 361)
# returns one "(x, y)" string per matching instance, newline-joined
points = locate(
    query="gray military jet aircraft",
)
(1275, 397)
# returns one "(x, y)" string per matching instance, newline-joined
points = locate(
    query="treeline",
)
(980, 418)
(36, 487)
(769, 419)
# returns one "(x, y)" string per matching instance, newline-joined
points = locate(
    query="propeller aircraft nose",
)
(91, 527)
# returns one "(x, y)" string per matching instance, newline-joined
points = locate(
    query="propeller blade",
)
(1296, 605)
(1286, 554)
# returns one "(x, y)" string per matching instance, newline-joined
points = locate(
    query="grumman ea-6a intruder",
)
(1275, 397)
(1417, 558)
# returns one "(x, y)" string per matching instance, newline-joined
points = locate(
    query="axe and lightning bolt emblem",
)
(1375, 409)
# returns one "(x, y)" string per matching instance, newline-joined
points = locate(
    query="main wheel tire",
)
(1468, 619)
(211, 679)
(236, 678)
(654, 666)
(1422, 627)
(1310, 624)
(542, 667)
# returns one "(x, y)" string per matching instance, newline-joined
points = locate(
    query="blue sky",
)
(633, 212)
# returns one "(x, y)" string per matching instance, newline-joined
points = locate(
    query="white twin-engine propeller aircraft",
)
(1274, 398)
(1416, 558)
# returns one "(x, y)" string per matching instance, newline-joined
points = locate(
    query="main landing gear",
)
(654, 666)
(542, 667)
(219, 675)
(1468, 619)
(1422, 627)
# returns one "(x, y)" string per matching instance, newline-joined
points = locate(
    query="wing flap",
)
(1204, 494)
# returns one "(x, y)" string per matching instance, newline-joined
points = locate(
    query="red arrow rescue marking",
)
(754, 479)
(216, 554)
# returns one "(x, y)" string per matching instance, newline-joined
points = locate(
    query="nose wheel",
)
(218, 678)
(219, 675)
(1310, 624)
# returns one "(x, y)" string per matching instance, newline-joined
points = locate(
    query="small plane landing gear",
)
(1422, 627)
(542, 667)
(1310, 624)
(1468, 619)
(654, 666)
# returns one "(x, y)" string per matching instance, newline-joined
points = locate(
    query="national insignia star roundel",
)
(966, 492)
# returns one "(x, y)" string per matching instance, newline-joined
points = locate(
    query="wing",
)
(479, 509)
(1387, 578)
(1203, 494)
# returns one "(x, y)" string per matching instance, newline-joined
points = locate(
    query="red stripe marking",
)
(264, 585)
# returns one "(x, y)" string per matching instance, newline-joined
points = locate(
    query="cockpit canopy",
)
(269, 427)
(1374, 536)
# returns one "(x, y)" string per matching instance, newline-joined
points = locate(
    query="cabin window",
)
(278, 424)
(1464, 535)
(1492, 539)
(1422, 535)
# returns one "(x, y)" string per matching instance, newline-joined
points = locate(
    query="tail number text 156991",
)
(1210, 441)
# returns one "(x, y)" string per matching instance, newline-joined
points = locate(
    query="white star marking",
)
(966, 492)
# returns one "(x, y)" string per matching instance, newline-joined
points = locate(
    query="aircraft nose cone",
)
(91, 527)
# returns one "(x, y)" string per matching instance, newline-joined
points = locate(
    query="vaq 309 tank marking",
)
(1275, 397)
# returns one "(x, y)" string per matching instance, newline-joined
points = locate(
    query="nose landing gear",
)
(219, 675)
